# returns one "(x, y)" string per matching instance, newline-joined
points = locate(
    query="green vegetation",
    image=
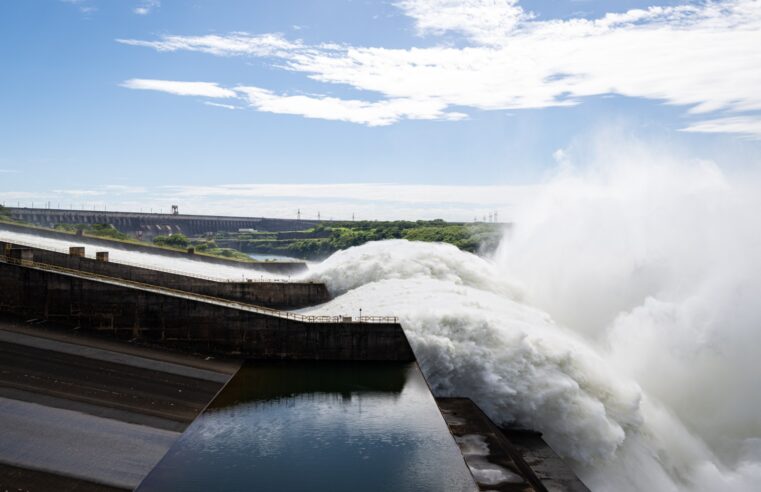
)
(209, 247)
(5, 216)
(175, 240)
(97, 230)
(326, 238)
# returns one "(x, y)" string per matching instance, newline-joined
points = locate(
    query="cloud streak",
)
(204, 89)
(146, 7)
(705, 57)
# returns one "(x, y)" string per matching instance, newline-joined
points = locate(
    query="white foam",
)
(620, 318)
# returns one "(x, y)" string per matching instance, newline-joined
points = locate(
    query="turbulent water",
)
(620, 318)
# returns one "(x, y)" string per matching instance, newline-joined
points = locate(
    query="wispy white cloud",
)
(384, 112)
(83, 5)
(229, 45)
(8, 171)
(486, 22)
(218, 105)
(379, 113)
(704, 56)
(744, 125)
(146, 7)
(204, 89)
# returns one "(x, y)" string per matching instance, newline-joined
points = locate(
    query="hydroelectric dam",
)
(152, 224)
(120, 373)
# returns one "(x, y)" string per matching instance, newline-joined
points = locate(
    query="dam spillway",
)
(88, 342)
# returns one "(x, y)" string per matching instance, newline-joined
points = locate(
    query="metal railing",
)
(119, 261)
(193, 296)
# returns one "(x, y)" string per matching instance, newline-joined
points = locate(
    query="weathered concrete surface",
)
(35, 341)
(184, 320)
(280, 295)
(129, 389)
(38, 332)
(496, 462)
(78, 445)
(17, 479)
(277, 267)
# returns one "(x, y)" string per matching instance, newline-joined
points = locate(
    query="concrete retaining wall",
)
(125, 312)
(281, 295)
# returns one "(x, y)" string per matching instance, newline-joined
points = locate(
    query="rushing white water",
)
(619, 318)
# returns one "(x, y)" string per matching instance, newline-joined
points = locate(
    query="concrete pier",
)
(276, 267)
(275, 294)
(158, 315)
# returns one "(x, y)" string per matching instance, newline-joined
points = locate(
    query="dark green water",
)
(317, 427)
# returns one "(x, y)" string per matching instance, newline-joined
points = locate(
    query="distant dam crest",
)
(154, 224)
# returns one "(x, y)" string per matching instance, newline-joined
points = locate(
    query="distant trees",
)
(99, 230)
(468, 237)
(176, 240)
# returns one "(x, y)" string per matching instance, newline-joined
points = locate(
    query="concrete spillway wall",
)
(276, 267)
(153, 224)
(190, 323)
(281, 295)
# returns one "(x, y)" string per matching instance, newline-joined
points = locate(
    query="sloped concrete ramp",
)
(79, 445)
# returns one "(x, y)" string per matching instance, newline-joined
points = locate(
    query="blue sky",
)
(258, 108)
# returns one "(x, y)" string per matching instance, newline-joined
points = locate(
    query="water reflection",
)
(317, 426)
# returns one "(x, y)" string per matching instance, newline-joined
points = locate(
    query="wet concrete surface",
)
(519, 461)
(550, 468)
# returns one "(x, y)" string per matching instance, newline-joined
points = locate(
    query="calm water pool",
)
(317, 427)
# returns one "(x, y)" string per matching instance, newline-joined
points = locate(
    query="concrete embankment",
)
(275, 294)
(180, 319)
(276, 267)
(82, 414)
